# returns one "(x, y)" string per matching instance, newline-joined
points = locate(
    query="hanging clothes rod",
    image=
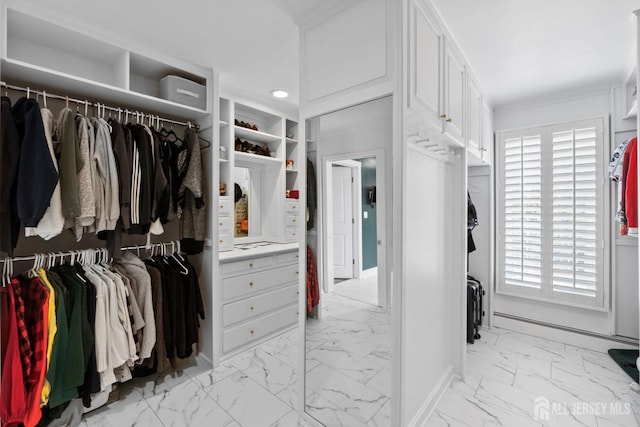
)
(174, 244)
(99, 106)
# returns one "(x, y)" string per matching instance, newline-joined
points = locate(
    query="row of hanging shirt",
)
(76, 329)
(89, 174)
(623, 169)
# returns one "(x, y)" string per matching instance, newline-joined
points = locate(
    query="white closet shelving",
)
(258, 293)
(52, 55)
(44, 51)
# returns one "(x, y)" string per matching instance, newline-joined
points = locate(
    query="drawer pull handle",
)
(221, 241)
(297, 273)
(221, 206)
(250, 264)
(250, 283)
(251, 308)
(294, 220)
(251, 332)
(297, 292)
(220, 224)
(297, 256)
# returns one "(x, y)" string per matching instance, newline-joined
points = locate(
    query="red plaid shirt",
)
(26, 352)
(36, 299)
(35, 295)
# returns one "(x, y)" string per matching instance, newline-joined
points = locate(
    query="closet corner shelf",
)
(292, 170)
(255, 136)
(223, 123)
(13, 70)
(247, 158)
(292, 141)
(223, 160)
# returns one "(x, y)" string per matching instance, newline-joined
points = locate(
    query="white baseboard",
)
(591, 342)
(420, 419)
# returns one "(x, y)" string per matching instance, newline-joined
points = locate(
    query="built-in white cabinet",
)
(258, 296)
(487, 145)
(475, 136)
(437, 76)
(259, 157)
(453, 108)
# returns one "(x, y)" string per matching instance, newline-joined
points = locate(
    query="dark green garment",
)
(59, 348)
(73, 371)
(70, 162)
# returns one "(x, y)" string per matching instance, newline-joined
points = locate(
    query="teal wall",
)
(369, 237)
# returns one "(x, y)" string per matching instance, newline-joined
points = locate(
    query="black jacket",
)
(9, 158)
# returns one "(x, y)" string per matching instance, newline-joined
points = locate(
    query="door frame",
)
(347, 159)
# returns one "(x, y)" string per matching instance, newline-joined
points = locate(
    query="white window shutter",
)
(575, 220)
(523, 212)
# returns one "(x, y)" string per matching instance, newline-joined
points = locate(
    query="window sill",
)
(565, 303)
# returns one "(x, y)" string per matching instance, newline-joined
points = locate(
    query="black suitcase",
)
(474, 309)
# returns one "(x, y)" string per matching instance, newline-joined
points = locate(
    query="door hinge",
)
(353, 220)
(353, 261)
(351, 179)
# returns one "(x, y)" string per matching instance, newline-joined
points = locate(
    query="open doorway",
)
(352, 224)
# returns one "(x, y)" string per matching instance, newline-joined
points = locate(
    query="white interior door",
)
(342, 219)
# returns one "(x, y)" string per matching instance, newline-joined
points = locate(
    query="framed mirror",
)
(248, 195)
(348, 332)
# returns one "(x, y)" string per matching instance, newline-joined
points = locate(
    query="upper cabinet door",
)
(425, 70)
(454, 98)
(487, 135)
(474, 118)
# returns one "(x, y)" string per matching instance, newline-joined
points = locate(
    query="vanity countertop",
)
(249, 250)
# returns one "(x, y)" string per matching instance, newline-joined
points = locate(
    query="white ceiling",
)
(523, 49)
(517, 48)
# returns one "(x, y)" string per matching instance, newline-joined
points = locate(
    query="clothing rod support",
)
(87, 104)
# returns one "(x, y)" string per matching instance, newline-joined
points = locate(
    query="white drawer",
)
(224, 207)
(224, 222)
(260, 327)
(246, 265)
(292, 221)
(254, 283)
(225, 242)
(293, 206)
(254, 306)
(292, 233)
(287, 258)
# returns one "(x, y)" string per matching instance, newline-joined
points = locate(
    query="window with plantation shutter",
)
(523, 211)
(550, 213)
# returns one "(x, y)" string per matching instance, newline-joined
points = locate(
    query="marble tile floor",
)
(259, 388)
(349, 362)
(510, 374)
(365, 290)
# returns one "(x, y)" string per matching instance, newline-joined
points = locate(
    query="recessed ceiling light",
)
(279, 93)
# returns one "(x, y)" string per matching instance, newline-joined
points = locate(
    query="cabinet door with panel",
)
(487, 135)
(454, 94)
(425, 67)
(474, 117)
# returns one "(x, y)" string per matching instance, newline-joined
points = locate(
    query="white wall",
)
(562, 108)
(427, 283)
